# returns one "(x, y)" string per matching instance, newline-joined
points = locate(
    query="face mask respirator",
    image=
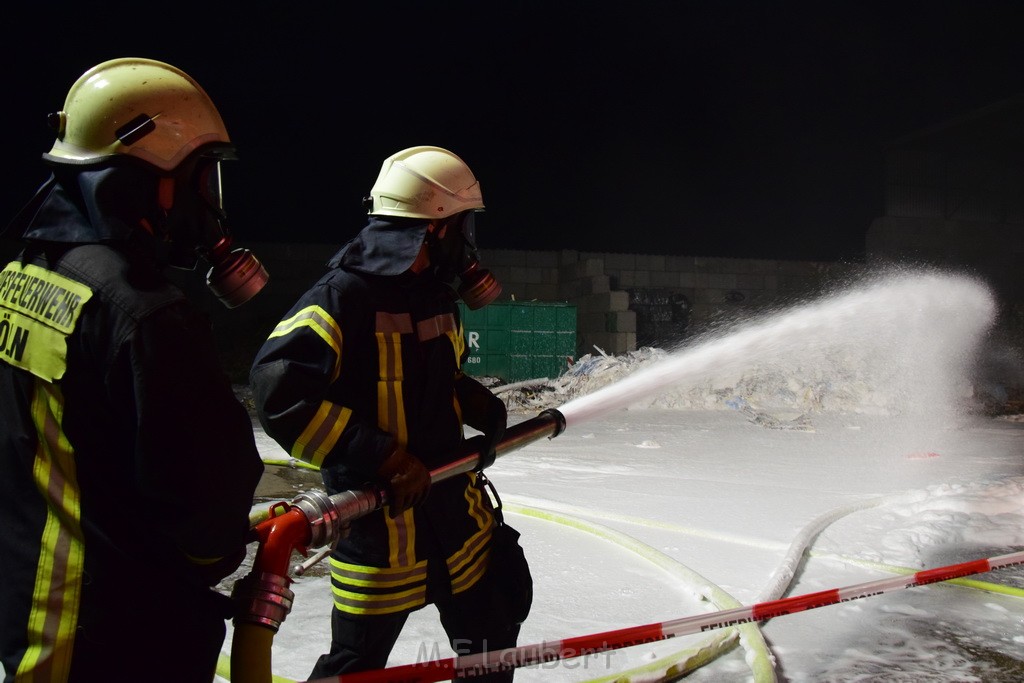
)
(235, 275)
(455, 255)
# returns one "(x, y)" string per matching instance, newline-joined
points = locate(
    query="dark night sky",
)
(724, 128)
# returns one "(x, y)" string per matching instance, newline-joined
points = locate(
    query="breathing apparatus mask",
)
(454, 255)
(195, 225)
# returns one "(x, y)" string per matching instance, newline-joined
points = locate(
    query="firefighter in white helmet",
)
(363, 378)
(127, 465)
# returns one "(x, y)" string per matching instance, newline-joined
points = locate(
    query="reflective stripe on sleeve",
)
(321, 434)
(56, 596)
(319, 321)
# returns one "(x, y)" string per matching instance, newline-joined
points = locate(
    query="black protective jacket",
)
(368, 358)
(127, 466)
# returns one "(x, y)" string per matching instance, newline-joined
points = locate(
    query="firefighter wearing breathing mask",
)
(362, 378)
(128, 465)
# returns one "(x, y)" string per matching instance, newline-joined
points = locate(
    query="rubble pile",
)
(779, 394)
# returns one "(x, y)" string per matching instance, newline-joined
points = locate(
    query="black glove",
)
(485, 412)
(406, 479)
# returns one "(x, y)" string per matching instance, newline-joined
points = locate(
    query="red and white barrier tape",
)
(527, 655)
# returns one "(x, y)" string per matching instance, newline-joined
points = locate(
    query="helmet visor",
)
(468, 223)
(209, 186)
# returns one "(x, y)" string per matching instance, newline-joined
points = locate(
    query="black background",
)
(715, 128)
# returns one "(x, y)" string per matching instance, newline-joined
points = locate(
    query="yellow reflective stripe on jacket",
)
(475, 500)
(321, 434)
(401, 539)
(365, 590)
(459, 344)
(56, 596)
(320, 322)
(468, 565)
(443, 324)
(473, 573)
(399, 589)
(38, 310)
(362, 603)
(378, 577)
(390, 407)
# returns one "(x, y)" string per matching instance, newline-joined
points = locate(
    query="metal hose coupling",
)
(329, 516)
(325, 523)
(262, 598)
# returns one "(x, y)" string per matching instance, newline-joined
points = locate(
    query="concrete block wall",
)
(524, 275)
(600, 283)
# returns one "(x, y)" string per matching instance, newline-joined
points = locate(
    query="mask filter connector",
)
(236, 276)
(478, 287)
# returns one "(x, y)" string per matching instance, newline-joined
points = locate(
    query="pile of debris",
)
(792, 389)
(779, 395)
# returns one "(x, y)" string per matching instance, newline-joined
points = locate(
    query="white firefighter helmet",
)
(424, 182)
(136, 107)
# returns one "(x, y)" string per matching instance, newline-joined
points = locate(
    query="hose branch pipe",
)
(314, 520)
(549, 423)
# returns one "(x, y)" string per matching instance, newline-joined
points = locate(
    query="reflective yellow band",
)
(57, 593)
(459, 344)
(390, 406)
(361, 603)
(378, 577)
(320, 322)
(470, 549)
(468, 565)
(474, 496)
(321, 434)
(401, 538)
(38, 310)
(398, 589)
(472, 575)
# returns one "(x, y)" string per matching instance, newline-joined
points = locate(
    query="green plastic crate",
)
(515, 341)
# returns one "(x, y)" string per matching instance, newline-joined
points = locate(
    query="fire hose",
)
(316, 520)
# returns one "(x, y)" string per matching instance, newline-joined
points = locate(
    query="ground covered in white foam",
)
(815, 448)
(619, 517)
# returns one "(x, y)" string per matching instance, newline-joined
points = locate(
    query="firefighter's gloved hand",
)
(484, 412)
(406, 480)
